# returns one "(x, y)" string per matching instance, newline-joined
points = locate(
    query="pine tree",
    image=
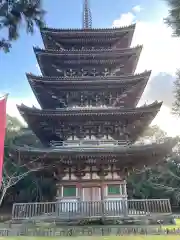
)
(15, 13)
(176, 104)
(173, 19)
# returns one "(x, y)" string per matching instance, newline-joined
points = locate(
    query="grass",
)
(154, 237)
(170, 237)
(170, 227)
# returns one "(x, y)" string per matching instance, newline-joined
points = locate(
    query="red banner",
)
(2, 132)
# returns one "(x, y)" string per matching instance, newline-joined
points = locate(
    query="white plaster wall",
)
(66, 177)
(95, 176)
(87, 176)
(116, 176)
(73, 176)
(108, 176)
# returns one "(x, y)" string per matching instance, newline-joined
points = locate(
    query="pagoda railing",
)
(67, 210)
(101, 142)
(89, 142)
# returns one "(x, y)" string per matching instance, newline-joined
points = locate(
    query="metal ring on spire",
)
(87, 17)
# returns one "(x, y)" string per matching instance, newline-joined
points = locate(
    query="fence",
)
(91, 209)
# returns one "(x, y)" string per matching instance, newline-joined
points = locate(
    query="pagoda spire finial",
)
(87, 17)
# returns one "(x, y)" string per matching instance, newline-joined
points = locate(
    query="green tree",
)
(158, 182)
(161, 181)
(13, 127)
(14, 170)
(168, 179)
(176, 104)
(21, 182)
(173, 19)
(12, 18)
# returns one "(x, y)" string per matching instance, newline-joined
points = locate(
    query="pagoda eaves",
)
(59, 125)
(61, 94)
(98, 78)
(109, 149)
(135, 157)
(86, 32)
(110, 37)
(119, 61)
(95, 52)
(90, 110)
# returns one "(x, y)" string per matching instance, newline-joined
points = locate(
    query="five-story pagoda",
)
(89, 121)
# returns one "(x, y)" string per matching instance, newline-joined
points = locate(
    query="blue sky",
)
(150, 31)
(63, 14)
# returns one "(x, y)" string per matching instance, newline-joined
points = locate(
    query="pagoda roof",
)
(134, 156)
(84, 111)
(50, 93)
(95, 52)
(86, 32)
(62, 80)
(135, 148)
(60, 38)
(50, 60)
(58, 125)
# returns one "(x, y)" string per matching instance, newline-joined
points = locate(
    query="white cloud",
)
(137, 9)
(124, 20)
(160, 50)
(167, 122)
(13, 102)
(127, 18)
(160, 54)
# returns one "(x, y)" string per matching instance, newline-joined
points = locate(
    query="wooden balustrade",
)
(88, 210)
(89, 142)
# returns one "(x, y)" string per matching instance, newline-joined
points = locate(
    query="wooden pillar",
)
(101, 175)
(102, 200)
(58, 191)
(102, 189)
(79, 189)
